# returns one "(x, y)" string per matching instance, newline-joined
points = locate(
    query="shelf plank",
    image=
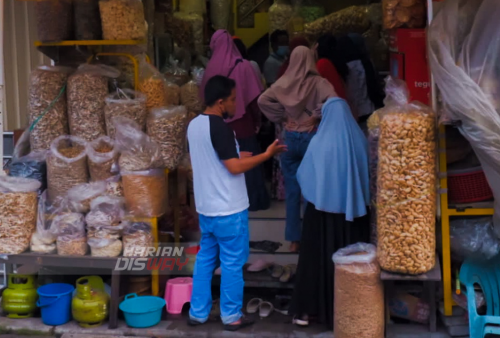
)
(69, 43)
(471, 209)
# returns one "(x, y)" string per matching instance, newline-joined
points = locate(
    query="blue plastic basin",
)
(144, 311)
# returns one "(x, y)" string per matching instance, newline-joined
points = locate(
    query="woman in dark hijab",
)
(363, 86)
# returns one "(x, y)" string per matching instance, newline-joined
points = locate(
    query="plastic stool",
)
(177, 293)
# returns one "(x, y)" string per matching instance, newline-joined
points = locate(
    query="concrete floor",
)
(277, 326)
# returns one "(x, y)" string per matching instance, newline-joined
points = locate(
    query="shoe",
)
(303, 321)
(295, 247)
(289, 272)
(277, 271)
(193, 323)
(253, 305)
(244, 322)
(267, 246)
(281, 305)
(259, 265)
(265, 309)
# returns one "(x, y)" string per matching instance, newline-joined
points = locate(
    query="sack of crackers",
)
(404, 13)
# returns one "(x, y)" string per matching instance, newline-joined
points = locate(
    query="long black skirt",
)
(322, 235)
(255, 178)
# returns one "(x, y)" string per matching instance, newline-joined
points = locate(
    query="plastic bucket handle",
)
(52, 301)
(131, 295)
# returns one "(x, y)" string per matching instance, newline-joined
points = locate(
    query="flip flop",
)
(288, 272)
(300, 322)
(265, 309)
(259, 265)
(253, 305)
(277, 271)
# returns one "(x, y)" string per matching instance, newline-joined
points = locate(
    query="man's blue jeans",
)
(226, 239)
(290, 161)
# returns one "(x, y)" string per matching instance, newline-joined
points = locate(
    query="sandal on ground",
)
(277, 271)
(244, 322)
(193, 323)
(265, 309)
(267, 246)
(302, 321)
(288, 273)
(259, 265)
(253, 305)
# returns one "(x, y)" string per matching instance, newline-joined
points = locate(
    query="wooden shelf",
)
(69, 43)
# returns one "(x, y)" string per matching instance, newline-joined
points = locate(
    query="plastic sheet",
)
(464, 62)
(152, 83)
(473, 238)
(357, 283)
(138, 150)
(80, 196)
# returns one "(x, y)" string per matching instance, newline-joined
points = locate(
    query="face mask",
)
(282, 51)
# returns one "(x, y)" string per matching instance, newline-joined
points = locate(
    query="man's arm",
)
(238, 166)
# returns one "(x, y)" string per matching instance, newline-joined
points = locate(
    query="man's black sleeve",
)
(222, 139)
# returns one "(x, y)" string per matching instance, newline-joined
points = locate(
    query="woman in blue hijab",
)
(333, 177)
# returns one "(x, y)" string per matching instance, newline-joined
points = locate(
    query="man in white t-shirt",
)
(221, 201)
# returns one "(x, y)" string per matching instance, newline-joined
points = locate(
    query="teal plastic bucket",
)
(144, 311)
(55, 303)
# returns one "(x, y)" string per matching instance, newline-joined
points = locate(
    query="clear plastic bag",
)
(173, 94)
(114, 186)
(190, 97)
(123, 20)
(473, 238)
(406, 183)
(126, 103)
(196, 22)
(102, 158)
(152, 83)
(138, 240)
(66, 166)
(87, 92)
(168, 126)
(47, 105)
(174, 73)
(146, 192)
(220, 14)
(72, 244)
(32, 166)
(357, 283)
(280, 14)
(80, 196)
(18, 213)
(193, 6)
(404, 13)
(463, 60)
(54, 20)
(43, 240)
(310, 10)
(102, 247)
(87, 20)
(69, 228)
(106, 211)
(373, 138)
(138, 150)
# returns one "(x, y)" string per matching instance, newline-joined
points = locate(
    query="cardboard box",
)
(405, 306)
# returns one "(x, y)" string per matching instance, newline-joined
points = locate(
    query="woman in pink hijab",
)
(227, 61)
(295, 100)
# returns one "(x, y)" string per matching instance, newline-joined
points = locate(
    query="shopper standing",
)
(333, 177)
(294, 43)
(296, 100)
(227, 61)
(222, 202)
(330, 65)
(279, 44)
(364, 92)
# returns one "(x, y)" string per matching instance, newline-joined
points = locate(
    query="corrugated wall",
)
(20, 57)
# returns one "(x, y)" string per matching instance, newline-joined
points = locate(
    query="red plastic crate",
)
(467, 186)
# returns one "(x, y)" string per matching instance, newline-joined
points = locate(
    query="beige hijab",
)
(299, 83)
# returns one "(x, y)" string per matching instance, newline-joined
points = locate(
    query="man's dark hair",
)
(276, 34)
(218, 88)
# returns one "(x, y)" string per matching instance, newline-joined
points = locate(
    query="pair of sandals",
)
(284, 273)
(264, 308)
